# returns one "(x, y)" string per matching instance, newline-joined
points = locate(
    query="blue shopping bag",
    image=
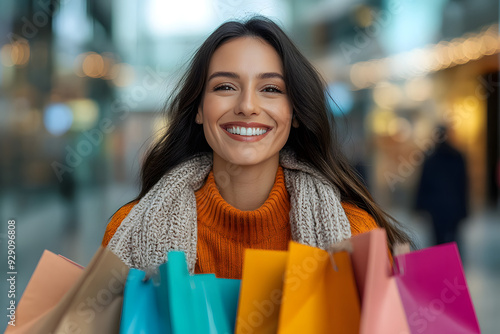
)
(140, 309)
(199, 303)
(176, 302)
(230, 293)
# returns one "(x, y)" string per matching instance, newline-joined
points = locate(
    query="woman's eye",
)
(223, 87)
(272, 89)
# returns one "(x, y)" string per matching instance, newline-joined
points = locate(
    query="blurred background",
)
(82, 83)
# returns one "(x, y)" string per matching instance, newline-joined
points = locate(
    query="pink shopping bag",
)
(434, 291)
(381, 308)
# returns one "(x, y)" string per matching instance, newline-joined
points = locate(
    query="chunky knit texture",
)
(166, 217)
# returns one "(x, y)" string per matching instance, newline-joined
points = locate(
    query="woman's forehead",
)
(246, 55)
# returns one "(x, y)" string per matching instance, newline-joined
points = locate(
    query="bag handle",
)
(342, 246)
(400, 249)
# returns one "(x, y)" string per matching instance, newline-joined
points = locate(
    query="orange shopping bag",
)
(316, 297)
(260, 292)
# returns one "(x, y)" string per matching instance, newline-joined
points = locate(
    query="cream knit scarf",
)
(166, 217)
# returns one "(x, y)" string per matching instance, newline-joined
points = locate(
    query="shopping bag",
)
(53, 277)
(382, 311)
(140, 310)
(230, 291)
(195, 304)
(434, 291)
(94, 302)
(261, 291)
(318, 298)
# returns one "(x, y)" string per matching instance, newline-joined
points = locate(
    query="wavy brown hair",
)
(314, 141)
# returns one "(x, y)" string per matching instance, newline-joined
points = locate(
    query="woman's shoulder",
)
(116, 220)
(360, 220)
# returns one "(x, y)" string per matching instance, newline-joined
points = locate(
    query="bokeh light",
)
(93, 65)
(343, 101)
(16, 53)
(85, 113)
(58, 118)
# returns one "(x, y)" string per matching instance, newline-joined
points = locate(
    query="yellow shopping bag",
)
(318, 298)
(298, 291)
(260, 292)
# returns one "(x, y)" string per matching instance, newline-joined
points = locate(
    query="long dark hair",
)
(314, 141)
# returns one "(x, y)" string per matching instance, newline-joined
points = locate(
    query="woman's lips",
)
(246, 125)
(248, 139)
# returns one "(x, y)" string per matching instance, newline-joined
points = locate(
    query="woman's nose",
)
(248, 103)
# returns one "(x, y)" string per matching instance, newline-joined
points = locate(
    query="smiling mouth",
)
(246, 131)
(249, 138)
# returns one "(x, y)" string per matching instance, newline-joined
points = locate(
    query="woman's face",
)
(245, 89)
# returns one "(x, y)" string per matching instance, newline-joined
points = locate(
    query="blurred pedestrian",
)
(68, 189)
(443, 189)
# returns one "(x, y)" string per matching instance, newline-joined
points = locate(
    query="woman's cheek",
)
(218, 103)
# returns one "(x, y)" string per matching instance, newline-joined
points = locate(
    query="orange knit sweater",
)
(224, 231)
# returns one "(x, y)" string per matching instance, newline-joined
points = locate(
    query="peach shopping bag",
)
(53, 277)
(382, 311)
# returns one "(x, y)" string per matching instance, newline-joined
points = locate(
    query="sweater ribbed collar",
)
(247, 227)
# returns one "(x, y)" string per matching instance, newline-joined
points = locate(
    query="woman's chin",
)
(245, 158)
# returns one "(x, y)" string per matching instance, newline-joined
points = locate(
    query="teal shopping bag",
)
(140, 310)
(230, 293)
(199, 303)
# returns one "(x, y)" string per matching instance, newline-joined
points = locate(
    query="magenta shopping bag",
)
(433, 289)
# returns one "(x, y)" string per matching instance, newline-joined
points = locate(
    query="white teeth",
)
(246, 131)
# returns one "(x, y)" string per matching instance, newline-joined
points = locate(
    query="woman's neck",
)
(245, 187)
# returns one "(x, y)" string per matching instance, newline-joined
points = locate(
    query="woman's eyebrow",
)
(233, 75)
(270, 75)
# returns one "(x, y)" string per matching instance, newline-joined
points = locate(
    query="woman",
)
(249, 160)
